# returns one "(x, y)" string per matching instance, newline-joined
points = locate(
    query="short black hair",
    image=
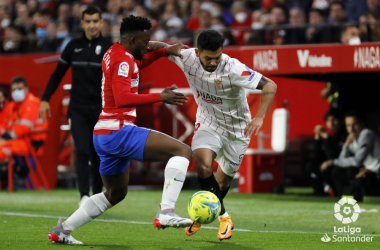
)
(91, 10)
(338, 3)
(355, 113)
(18, 79)
(132, 24)
(210, 40)
(333, 112)
(5, 93)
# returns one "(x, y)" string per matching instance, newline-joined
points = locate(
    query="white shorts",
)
(229, 150)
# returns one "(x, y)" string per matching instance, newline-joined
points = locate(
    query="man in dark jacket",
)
(326, 147)
(84, 54)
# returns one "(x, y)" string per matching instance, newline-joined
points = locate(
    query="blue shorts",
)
(117, 148)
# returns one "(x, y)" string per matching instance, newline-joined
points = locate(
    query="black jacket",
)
(85, 57)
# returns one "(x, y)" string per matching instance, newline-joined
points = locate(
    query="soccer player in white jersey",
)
(223, 121)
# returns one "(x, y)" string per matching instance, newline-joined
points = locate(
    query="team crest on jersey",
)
(123, 69)
(249, 72)
(206, 97)
(218, 83)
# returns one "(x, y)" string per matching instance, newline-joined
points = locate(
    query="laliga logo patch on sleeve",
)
(123, 69)
(248, 72)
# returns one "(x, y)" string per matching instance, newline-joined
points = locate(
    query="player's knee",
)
(203, 169)
(116, 195)
(184, 151)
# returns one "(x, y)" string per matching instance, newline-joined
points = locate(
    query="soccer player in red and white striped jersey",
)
(223, 122)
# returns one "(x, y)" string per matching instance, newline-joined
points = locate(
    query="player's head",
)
(91, 22)
(354, 122)
(19, 88)
(210, 46)
(135, 35)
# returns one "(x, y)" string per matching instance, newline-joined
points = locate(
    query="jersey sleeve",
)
(186, 53)
(150, 57)
(243, 76)
(122, 71)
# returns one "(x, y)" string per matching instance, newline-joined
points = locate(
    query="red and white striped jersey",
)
(220, 95)
(119, 88)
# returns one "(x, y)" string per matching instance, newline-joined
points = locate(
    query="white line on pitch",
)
(148, 223)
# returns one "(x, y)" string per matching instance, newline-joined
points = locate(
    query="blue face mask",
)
(62, 34)
(18, 95)
(41, 32)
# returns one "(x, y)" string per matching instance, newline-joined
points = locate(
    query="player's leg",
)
(115, 175)
(161, 147)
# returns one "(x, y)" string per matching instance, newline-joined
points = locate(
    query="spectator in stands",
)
(314, 31)
(369, 29)
(350, 35)
(171, 19)
(194, 24)
(50, 43)
(242, 21)
(63, 35)
(106, 29)
(328, 142)
(297, 33)
(360, 154)
(276, 35)
(217, 23)
(337, 17)
(22, 122)
(14, 41)
(204, 19)
(374, 6)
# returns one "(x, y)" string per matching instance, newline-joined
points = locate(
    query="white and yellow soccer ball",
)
(204, 207)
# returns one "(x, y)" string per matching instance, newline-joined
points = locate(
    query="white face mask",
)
(5, 23)
(241, 17)
(18, 95)
(354, 41)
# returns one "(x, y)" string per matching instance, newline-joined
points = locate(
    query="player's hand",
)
(255, 124)
(350, 139)
(170, 97)
(362, 173)
(175, 49)
(44, 107)
(325, 165)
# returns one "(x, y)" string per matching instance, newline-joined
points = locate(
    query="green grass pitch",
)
(262, 221)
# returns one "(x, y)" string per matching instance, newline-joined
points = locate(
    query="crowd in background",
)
(48, 25)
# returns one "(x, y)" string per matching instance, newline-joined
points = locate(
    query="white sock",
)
(175, 174)
(92, 208)
(223, 215)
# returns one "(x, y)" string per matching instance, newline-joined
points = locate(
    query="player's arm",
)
(121, 87)
(161, 50)
(55, 79)
(268, 91)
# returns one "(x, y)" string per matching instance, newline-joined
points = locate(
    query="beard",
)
(208, 68)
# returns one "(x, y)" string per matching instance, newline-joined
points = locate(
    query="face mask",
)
(41, 32)
(354, 41)
(5, 23)
(18, 95)
(257, 25)
(241, 17)
(62, 34)
(217, 27)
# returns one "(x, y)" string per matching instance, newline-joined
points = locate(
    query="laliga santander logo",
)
(346, 210)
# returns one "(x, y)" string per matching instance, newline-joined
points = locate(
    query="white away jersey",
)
(220, 95)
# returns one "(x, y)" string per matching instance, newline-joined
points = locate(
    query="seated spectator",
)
(13, 41)
(316, 21)
(360, 156)
(351, 35)
(275, 35)
(22, 122)
(297, 21)
(6, 106)
(337, 17)
(328, 142)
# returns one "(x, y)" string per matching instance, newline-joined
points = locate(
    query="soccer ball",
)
(204, 207)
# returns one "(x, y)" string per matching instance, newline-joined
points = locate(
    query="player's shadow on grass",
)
(226, 244)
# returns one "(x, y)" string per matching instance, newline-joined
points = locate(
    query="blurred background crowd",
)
(48, 25)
